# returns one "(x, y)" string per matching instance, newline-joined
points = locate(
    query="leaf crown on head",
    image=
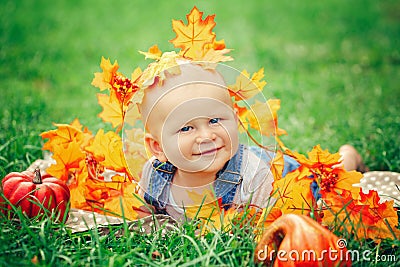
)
(198, 45)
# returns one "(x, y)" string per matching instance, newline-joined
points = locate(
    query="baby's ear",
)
(236, 114)
(155, 147)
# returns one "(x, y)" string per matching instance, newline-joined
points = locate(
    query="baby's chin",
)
(204, 165)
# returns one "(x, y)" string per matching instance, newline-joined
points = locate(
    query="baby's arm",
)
(144, 180)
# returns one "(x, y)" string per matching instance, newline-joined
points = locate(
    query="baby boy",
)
(192, 133)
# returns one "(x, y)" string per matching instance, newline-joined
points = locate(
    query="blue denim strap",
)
(229, 178)
(159, 184)
(225, 184)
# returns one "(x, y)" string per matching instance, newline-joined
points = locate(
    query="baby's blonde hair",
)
(190, 73)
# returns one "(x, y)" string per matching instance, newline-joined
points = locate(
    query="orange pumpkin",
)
(32, 192)
(298, 240)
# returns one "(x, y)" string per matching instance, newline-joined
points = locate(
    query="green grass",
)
(180, 247)
(334, 64)
(42, 242)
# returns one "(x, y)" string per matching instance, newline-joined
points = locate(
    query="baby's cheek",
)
(231, 131)
(180, 147)
(183, 146)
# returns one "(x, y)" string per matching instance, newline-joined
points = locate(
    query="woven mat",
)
(82, 221)
(386, 183)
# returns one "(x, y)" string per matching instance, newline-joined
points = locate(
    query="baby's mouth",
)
(208, 152)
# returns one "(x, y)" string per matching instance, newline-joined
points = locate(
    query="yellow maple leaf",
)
(293, 194)
(77, 188)
(104, 80)
(166, 64)
(126, 203)
(135, 151)
(112, 110)
(63, 135)
(246, 87)
(205, 196)
(334, 181)
(135, 76)
(68, 158)
(275, 105)
(277, 165)
(153, 53)
(212, 54)
(193, 36)
(77, 124)
(204, 204)
(212, 57)
(107, 150)
(132, 115)
(263, 117)
(216, 45)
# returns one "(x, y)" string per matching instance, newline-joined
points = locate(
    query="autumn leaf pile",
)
(102, 170)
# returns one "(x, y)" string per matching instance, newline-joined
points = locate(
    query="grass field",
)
(334, 64)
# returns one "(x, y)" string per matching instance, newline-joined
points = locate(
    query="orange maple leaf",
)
(386, 215)
(98, 192)
(107, 150)
(317, 158)
(216, 45)
(346, 213)
(192, 38)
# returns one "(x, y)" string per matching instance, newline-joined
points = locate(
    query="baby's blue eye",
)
(185, 129)
(214, 120)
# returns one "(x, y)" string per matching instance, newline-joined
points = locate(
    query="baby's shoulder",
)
(257, 177)
(254, 165)
(146, 171)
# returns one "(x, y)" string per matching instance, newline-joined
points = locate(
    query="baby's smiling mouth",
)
(208, 152)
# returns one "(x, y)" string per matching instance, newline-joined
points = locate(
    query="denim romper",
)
(225, 185)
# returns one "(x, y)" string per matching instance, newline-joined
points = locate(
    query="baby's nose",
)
(205, 136)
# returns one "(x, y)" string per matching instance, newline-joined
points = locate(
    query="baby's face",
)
(196, 127)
